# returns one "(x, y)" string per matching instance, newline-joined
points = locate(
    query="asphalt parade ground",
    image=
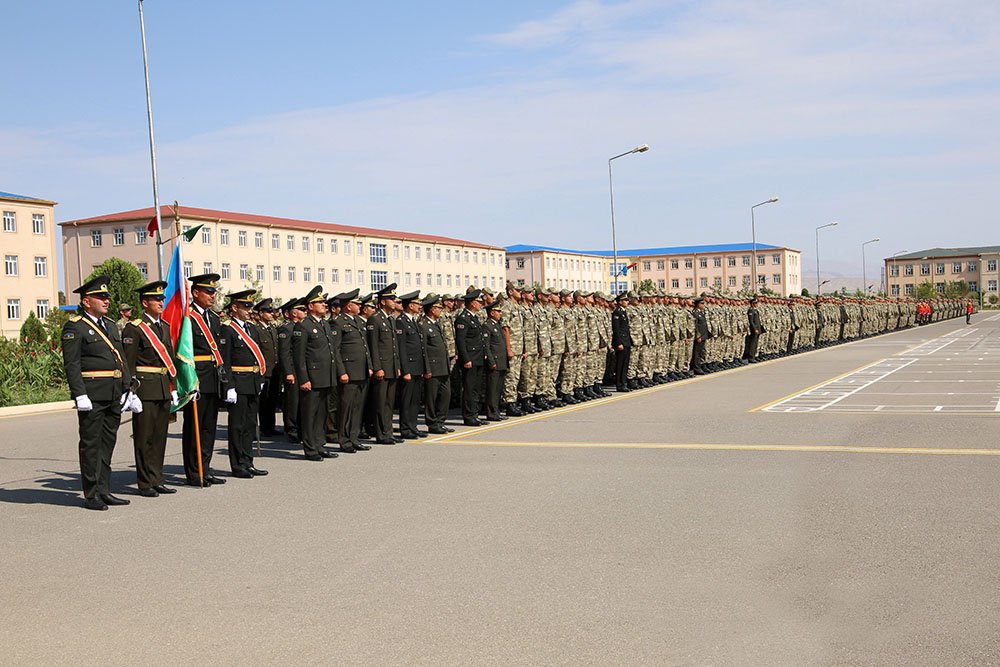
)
(835, 507)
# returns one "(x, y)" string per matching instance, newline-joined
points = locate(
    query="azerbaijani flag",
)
(177, 299)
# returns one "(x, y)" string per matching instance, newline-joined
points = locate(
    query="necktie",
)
(100, 323)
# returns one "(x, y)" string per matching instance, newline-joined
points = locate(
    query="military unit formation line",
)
(349, 369)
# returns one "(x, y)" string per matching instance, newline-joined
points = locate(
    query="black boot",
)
(513, 410)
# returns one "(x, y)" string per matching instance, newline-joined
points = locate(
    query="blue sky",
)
(494, 121)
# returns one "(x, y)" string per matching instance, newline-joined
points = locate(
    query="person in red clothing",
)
(968, 312)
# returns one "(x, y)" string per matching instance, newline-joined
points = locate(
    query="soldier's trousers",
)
(98, 435)
(750, 349)
(349, 414)
(621, 367)
(698, 356)
(472, 381)
(313, 408)
(494, 384)
(332, 407)
(511, 379)
(437, 396)
(242, 430)
(149, 439)
(409, 404)
(290, 410)
(529, 371)
(633, 361)
(269, 396)
(383, 401)
(207, 406)
(542, 365)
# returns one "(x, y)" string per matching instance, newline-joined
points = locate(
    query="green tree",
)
(805, 292)
(125, 279)
(994, 299)
(54, 322)
(33, 331)
(925, 290)
(646, 286)
(957, 289)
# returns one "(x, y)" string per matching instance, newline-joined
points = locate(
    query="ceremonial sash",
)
(245, 337)
(107, 340)
(161, 349)
(200, 321)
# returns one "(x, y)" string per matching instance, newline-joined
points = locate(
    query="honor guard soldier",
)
(385, 359)
(243, 356)
(496, 360)
(98, 382)
(313, 343)
(294, 311)
(437, 376)
(621, 341)
(272, 381)
(412, 366)
(151, 360)
(353, 368)
(471, 343)
(206, 330)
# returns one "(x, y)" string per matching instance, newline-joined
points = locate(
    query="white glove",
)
(231, 396)
(83, 403)
(124, 401)
(174, 400)
(135, 405)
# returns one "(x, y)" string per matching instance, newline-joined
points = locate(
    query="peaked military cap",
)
(623, 296)
(432, 300)
(388, 292)
(366, 300)
(244, 298)
(473, 295)
(153, 290)
(206, 281)
(288, 305)
(494, 305)
(315, 295)
(352, 296)
(96, 286)
(264, 305)
(410, 297)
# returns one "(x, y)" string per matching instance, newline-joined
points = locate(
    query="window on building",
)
(380, 278)
(143, 269)
(223, 236)
(894, 271)
(776, 260)
(939, 268)
(991, 265)
(406, 252)
(188, 269)
(406, 276)
(776, 279)
(347, 250)
(395, 252)
(377, 255)
(260, 273)
(746, 280)
(361, 276)
(290, 241)
(395, 277)
(437, 280)
(42, 308)
(732, 281)
(321, 274)
(41, 266)
(258, 240)
(225, 271)
(291, 274)
(908, 270)
(703, 282)
(731, 262)
(437, 254)
(244, 272)
(702, 262)
(689, 283)
(13, 309)
(761, 260)
(972, 267)
(275, 242)
(206, 236)
(307, 274)
(360, 249)
(276, 273)
(894, 290)
(37, 224)
(991, 286)
(475, 258)
(646, 266)
(717, 262)
(675, 283)
(347, 275)
(10, 265)
(717, 281)
(416, 277)
(520, 262)
(688, 263)
(973, 285)
(305, 244)
(241, 239)
(746, 260)
(9, 221)
(939, 287)
(334, 276)
(206, 267)
(319, 245)
(925, 269)
(674, 264)
(448, 280)
(118, 234)
(333, 246)
(140, 235)
(466, 257)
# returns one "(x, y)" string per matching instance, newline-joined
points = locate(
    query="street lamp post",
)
(614, 241)
(753, 237)
(152, 147)
(895, 270)
(829, 224)
(864, 274)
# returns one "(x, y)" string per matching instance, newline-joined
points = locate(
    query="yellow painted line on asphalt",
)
(844, 449)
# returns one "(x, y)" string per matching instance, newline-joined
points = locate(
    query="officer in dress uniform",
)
(206, 330)
(437, 377)
(98, 381)
(471, 343)
(243, 356)
(353, 368)
(412, 365)
(294, 311)
(496, 360)
(272, 381)
(385, 359)
(151, 360)
(313, 343)
(701, 336)
(621, 341)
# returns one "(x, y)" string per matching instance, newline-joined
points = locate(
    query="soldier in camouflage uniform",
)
(557, 334)
(513, 327)
(570, 360)
(529, 369)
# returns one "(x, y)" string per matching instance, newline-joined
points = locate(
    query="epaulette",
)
(136, 322)
(76, 318)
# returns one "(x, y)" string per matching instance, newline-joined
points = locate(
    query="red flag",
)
(152, 227)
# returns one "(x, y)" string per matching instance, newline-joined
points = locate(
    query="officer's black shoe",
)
(95, 503)
(256, 472)
(294, 439)
(387, 441)
(328, 454)
(448, 429)
(472, 422)
(347, 449)
(622, 389)
(196, 484)
(148, 493)
(438, 431)
(239, 473)
(113, 500)
(397, 439)
(161, 489)
(318, 457)
(362, 448)
(213, 479)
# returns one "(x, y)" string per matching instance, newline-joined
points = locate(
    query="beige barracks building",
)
(678, 270)
(284, 258)
(28, 284)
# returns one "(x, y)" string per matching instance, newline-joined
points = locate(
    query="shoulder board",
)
(76, 318)
(136, 322)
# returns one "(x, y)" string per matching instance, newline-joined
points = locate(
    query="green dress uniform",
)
(496, 364)
(313, 343)
(95, 369)
(210, 369)
(242, 355)
(413, 362)
(272, 381)
(437, 388)
(290, 399)
(352, 359)
(147, 342)
(385, 357)
(471, 344)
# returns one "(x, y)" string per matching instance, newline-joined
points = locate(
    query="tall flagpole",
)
(152, 147)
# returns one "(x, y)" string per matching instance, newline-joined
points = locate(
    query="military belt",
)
(156, 370)
(246, 369)
(204, 357)
(101, 374)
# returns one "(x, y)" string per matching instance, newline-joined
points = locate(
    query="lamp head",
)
(772, 200)
(641, 149)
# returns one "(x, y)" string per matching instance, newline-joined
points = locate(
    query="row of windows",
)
(378, 252)
(11, 266)
(14, 309)
(647, 265)
(908, 288)
(939, 267)
(10, 222)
